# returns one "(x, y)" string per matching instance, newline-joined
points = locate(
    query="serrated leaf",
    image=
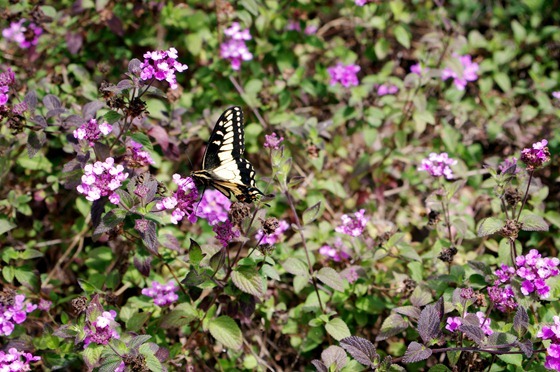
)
(35, 142)
(532, 222)
(320, 366)
(137, 321)
(51, 102)
(526, 347)
(330, 277)
(392, 325)
(428, 324)
(248, 280)
(137, 341)
(310, 214)
(149, 237)
(360, 349)
(195, 253)
(92, 355)
(416, 352)
(334, 356)
(338, 329)
(270, 272)
(182, 315)
(521, 321)
(474, 332)
(226, 331)
(410, 311)
(421, 296)
(110, 220)
(296, 267)
(6, 225)
(489, 226)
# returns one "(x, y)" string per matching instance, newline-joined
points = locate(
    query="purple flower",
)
(556, 94)
(234, 48)
(162, 65)
(272, 141)
(13, 361)
(311, 29)
(536, 270)
(91, 131)
(102, 330)
(484, 323)
(385, 89)
(461, 78)
(504, 274)
(503, 298)
(293, 25)
(214, 207)
(102, 179)
(353, 226)
(273, 238)
(183, 200)
(44, 305)
(418, 69)
(24, 36)
(138, 157)
(13, 314)
(361, 2)
(163, 294)
(225, 232)
(438, 165)
(537, 155)
(7, 78)
(508, 165)
(453, 323)
(336, 253)
(344, 74)
(552, 333)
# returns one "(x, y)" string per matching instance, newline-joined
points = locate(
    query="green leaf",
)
(180, 316)
(296, 267)
(226, 331)
(5, 225)
(112, 117)
(248, 280)
(392, 325)
(532, 222)
(8, 273)
(338, 329)
(515, 359)
(92, 354)
(403, 36)
(330, 277)
(310, 214)
(195, 253)
(137, 321)
(30, 253)
(489, 226)
(26, 275)
(503, 81)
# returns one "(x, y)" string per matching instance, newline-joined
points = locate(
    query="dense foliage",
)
(406, 154)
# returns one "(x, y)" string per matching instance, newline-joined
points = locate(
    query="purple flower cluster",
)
(102, 179)
(418, 69)
(353, 226)
(461, 78)
(102, 330)
(15, 360)
(362, 2)
(294, 25)
(7, 78)
(273, 238)
(336, 252)
(535, 270)
(453, 323)
(234, 48)
(508, 165)
(92, 131)
(387, 89)
(502, 297)
(24, 36)
(225, 232)
(537, 155)
(214, 207)
(163, 294)
(438, 165)
(162, 65)
(138, 157)
(183, 200)
(44, 305)
(272, 141)
(556, 94)
(344, 74)
(553, 350)
(13, 314)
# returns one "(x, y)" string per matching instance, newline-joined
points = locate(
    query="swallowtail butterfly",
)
(223, 166)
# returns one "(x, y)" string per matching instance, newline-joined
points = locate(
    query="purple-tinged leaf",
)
(125, 84)
(429, 324)
(73, 170)
(160, 135)
(416, 352)
(162, 354)
(421, 296)
(94, 309)
(169, 241)
(501, 338)
(480, 267)
(90, 109)
(143, 264)
(74, 42)
(39, 120)
(471, 319)
(31, 100)
(319, 365)
(532, 222)
(526, 347)
(72, 121)
(136, 341)
(51, 102)
(102, 151)
(109, 221)
(521, 321)
(134, 66)
(410, 311)
(35, 142)
(92, 355)
(218, 259)
(334, 355)
(392, 325)
(360, 349)
(149, 237)
(115, 25)
(473, 332)
(54, 112)
(97, 209)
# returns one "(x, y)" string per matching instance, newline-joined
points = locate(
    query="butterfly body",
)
(223, 166)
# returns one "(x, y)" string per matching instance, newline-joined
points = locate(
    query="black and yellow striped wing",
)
(223, 165)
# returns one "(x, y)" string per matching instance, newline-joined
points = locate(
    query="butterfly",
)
(223, 166)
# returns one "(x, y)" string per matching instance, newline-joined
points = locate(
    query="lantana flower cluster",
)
(387, 89)
(102, 330)
(272, 141)
(183, 200)
(7, 78)
(92, 131)
(453, 323)
(213, 207)
(353, 225)
(25, 36)
(336, 252)
(346, 75)
(138, 157)
(419, 69)
(294, 25)
(552, 333)
(536, 156)
(438, 165)
(234, 48)
(102, 179)
(13, 314)
(15, 360)
(273, 238)
(225, 232)
(162, 65)
(163, 294)
(461, 78)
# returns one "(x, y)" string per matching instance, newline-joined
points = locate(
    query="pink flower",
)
(536, 156)
(15, 313)
(102, 179)
(234, 48)
(353, 226)
(418, 69)
(91, 131)
(273, 238)
(460, 78)
(102, 330)
(272, 141)
(24, 36)
(453, 323)
(344, 74)
(183, 200)
(12, 360)
(385, 89)
(556, 94)
(163, 294)
(214, 207)
(438, 165)
(138, 157)
(162, 65)
(225, 232)
(337, 252)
